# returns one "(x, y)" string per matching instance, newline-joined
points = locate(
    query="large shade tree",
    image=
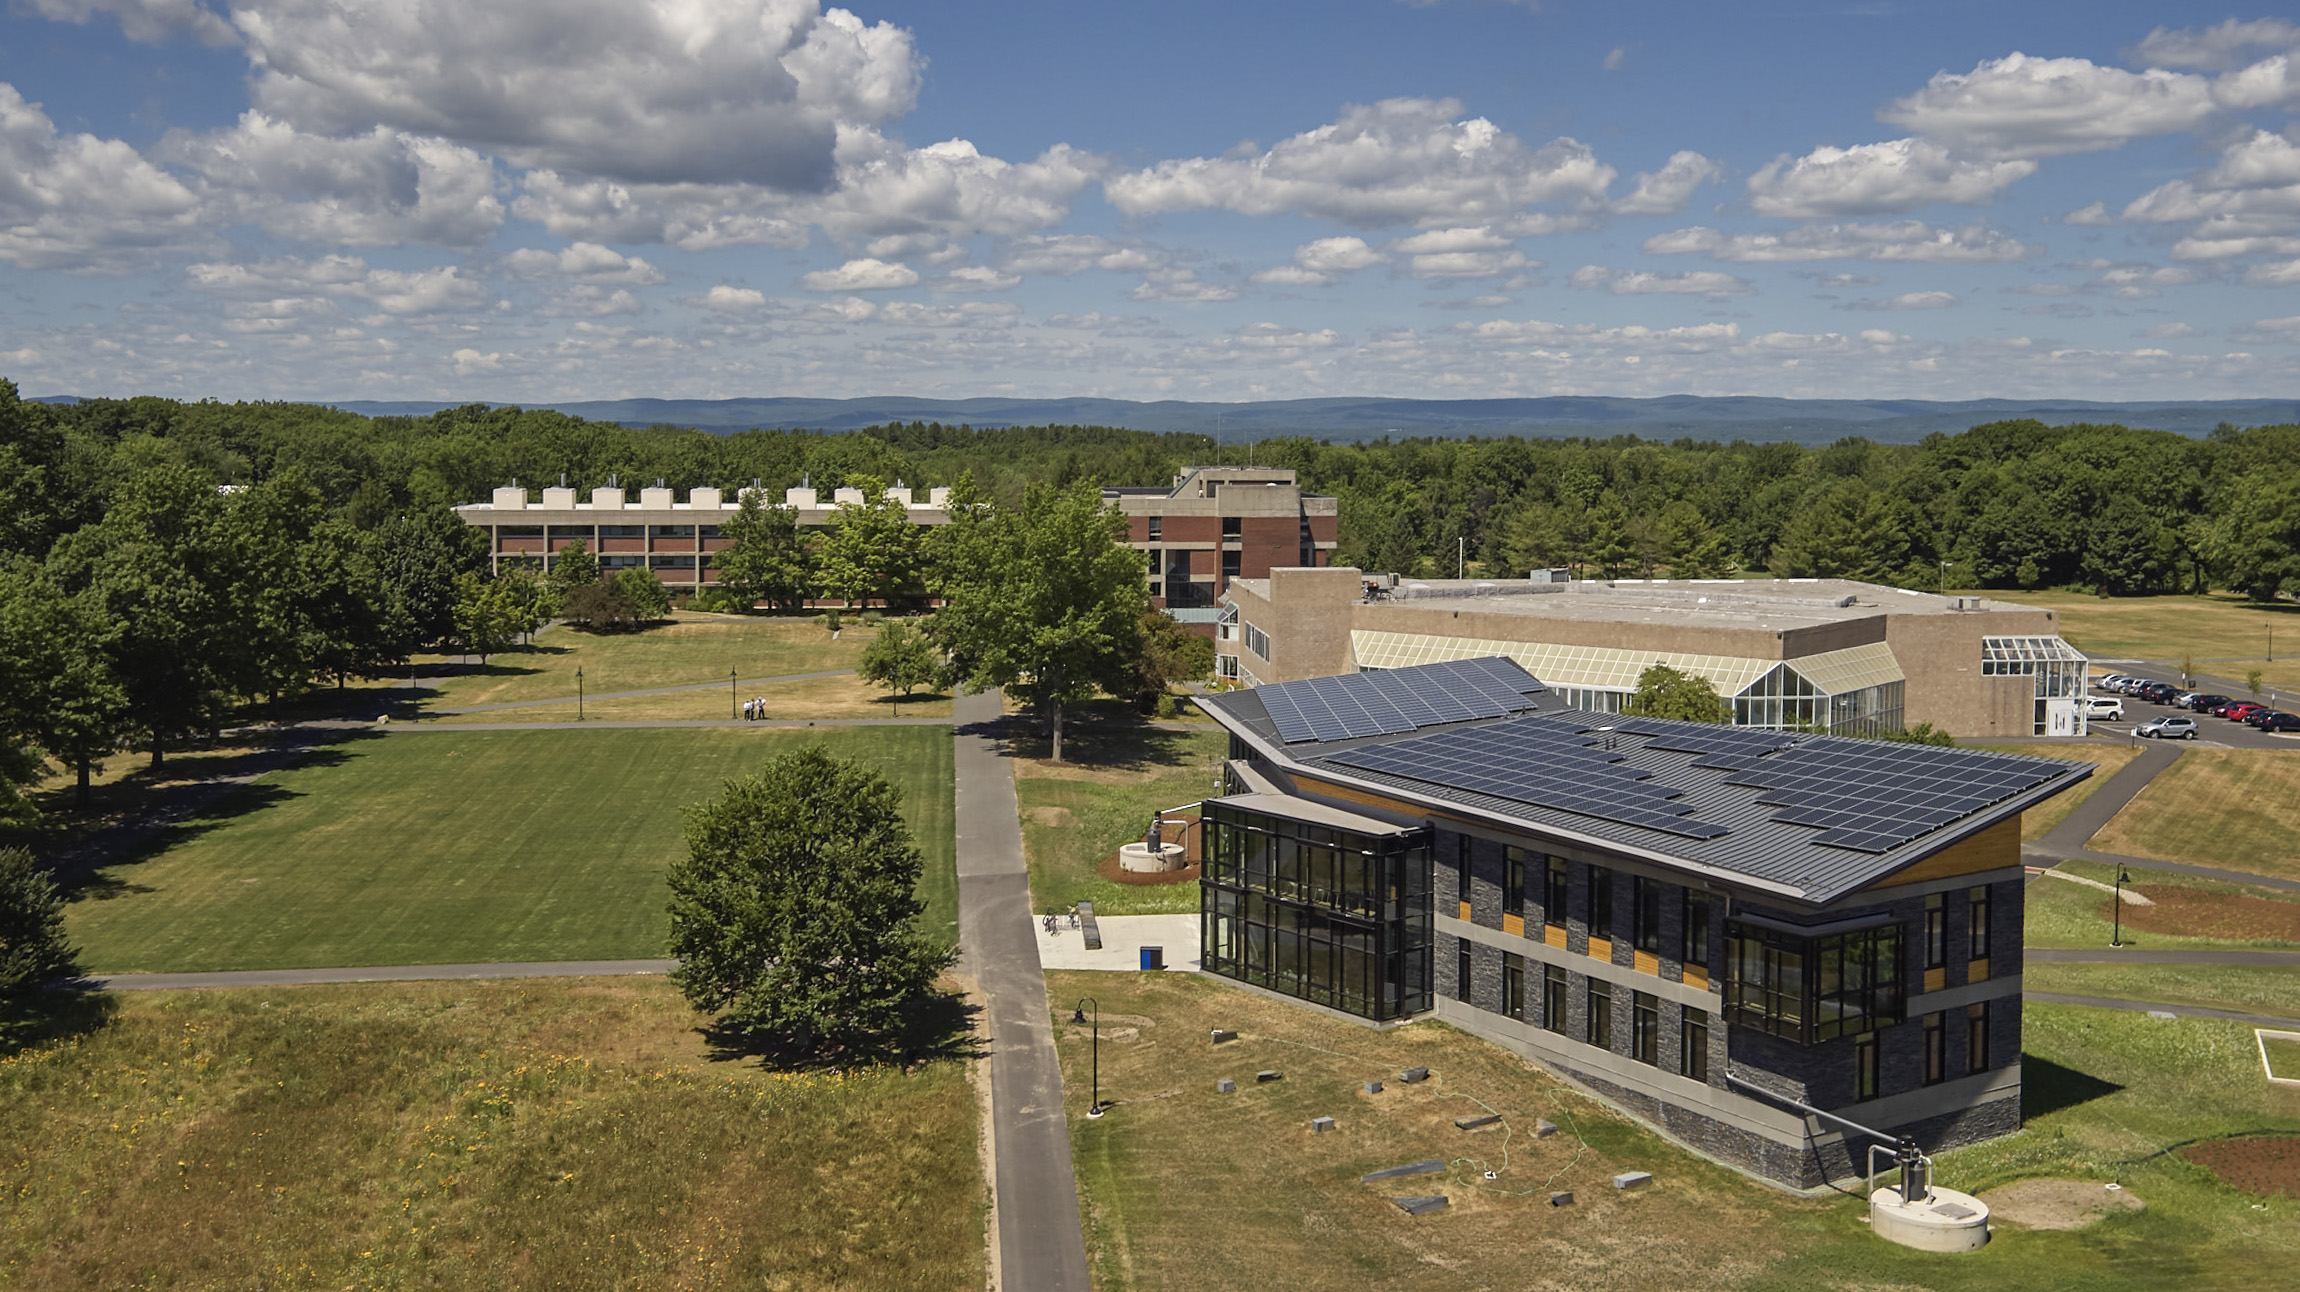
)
(793, 914)
(1044, 599)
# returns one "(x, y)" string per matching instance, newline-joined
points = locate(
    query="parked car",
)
(2221, 710)
(2101, 708)
(2258, 716)
(2281, 722)
(2186, 699)
(2110, 681)
(2157, 692)
(2169, 727)
(2205, 703)
(2236, 712)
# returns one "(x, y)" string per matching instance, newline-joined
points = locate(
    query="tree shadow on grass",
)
(1116, 740)
(941, 1025)
(2047, 1087)
(60, 1013)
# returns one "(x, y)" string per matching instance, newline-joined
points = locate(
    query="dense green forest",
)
(2009, 504)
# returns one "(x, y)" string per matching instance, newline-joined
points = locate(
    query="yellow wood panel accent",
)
(1602, 948)
(1696, 976)
(1553, 935)
(1514, 924)
(1977, 970)
(1935, 979)
(1646, 962)
(1465, 912)
(1349, 795)
(1992, 849)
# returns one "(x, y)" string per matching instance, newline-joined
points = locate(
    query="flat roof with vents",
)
(1806, 816)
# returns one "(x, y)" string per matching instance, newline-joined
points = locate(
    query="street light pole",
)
(730, 693)
(2123, 877)
(578, 693)
(1078, 1016)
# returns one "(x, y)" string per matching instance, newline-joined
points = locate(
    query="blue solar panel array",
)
(1538, 761)
(1730, 748)
(1406, 699)
(1874, 797)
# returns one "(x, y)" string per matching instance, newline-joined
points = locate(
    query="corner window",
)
(1813, 989)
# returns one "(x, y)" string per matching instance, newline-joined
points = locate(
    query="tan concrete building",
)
(1824, 654)
(674, 540)
(1217, 524)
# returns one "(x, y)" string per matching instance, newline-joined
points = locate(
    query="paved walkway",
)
(380, 973)
(2088, 817)
(2044, 856)
(2158, 1007)
(1123, 937)
(653, 690)
(1034, 1186)
(2144, 956)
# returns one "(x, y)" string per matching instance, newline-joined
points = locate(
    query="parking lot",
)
(2209, 730)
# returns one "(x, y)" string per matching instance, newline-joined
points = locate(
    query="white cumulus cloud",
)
(1907, 301)
(148, 21)
(1896, 240)
(1666, 191)
(979, 278)
(863, 275)
(1876, 179)
(732, 300)
(585, 262)
(2219, 48)
(1323, 261)
(1397, 162)
(77, 202)
(380, 188)
(1622, 282)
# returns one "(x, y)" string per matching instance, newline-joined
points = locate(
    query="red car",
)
(2236, 712)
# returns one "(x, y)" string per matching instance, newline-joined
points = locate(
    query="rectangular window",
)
(1461, 868)
(1513, 984)
(1813, 989)
(1645, 909)
(1936, 1049)
(1233, 526)
(1977, 1037)
(622, 531)
(1461, 976)
(1865, 1067)
(1977, 916)
(1645, 1027)
(1513, 866)
(1696, 928)
(519, 531)
(708, 531)
(671, 531)
(1553, 900)
(1157, 523)
(1254, 639)
(1600, 902)
(1553, 998)
(1693, 1044)
(1233, 563)
(1601, 1013)
(1936, 933)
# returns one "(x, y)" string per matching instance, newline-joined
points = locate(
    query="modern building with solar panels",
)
(1825, 654)
(1692, 920)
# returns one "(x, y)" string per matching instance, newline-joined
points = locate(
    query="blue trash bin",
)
(1153, 958)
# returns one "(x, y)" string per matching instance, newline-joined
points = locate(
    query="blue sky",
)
(572, 199)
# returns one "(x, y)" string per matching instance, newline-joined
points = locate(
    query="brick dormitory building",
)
(1693, 921)
(1217, 524)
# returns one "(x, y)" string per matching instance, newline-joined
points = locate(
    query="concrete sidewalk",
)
(1039, 1247)
(1123, 937)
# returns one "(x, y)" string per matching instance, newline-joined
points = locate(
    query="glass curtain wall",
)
(1785, 701)
(2060, 669)
(1324, 914)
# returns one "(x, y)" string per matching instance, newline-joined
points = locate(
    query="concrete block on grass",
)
(1421, 1206)
(1427, 1166)
(1412, 1075)
(1222, 1034)
(1544, 1128)
(1267, 1075)
(1320, 1125)
(1562, 1198)
(1632, 1180)
(1373, 1087)
(1472, 1123)
(1225, 1086)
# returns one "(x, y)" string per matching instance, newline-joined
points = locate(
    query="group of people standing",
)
(754, 710)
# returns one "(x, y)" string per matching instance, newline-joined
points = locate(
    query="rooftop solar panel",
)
(1396, 700)
(1875, 798)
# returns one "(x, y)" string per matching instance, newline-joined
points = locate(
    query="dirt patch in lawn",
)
(2198, 913)
(1049, 770)
(2265, 1165)
(1050, 815)
(2058, 1204)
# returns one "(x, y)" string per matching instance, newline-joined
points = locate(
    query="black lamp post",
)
(1078, 1015)
(578, 693)
(730, 693)
(2123, 877)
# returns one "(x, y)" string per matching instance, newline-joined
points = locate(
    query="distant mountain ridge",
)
(1755, 418)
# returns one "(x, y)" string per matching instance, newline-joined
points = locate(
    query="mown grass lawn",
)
(2258, 989)
(688, 650)
(456, 847)
(816, 697)
(2062, 914)
(2107, 760)
(1077, 812)
(485, 1135)
(1184, 1187)
(2222, 628)
(2237, 809)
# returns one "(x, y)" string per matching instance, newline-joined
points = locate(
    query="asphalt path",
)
(378, 973)
(2157, 1007)
(1035, 1189)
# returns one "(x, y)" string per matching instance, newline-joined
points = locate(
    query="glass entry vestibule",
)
(1317, 903)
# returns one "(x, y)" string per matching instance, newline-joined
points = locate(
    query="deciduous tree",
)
(902, 659)
(768, 559)
(1664, 692)
(793, 912)
(872, 549)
